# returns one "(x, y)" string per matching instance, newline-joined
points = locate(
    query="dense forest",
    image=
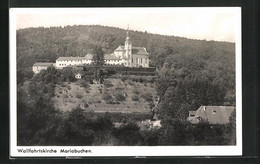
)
(190, 73)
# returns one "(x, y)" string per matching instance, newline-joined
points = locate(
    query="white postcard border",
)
(94, 151)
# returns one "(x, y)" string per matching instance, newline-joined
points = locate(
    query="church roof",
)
(212, 114)
(47, 64)
(139, 50)
(135, 50)
(120, 48)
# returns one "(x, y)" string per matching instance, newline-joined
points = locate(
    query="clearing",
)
(70, 95)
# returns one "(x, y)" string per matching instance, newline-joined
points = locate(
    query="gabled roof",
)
(46, 64)
(88, 57)
(192, 112)
(120, 48)
(213, 114)
(139, 50)
(110, 57)
(70, 58)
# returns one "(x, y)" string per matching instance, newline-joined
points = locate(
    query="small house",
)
(211, 114)
(78, 76)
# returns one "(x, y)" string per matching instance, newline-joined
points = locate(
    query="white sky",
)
(218, 24)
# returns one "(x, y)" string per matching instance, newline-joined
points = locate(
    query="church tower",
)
(128, 49)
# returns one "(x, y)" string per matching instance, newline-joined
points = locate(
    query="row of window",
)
(112, 60)
(64, 64)
(134, 60)
(70, 61)
(141, 60)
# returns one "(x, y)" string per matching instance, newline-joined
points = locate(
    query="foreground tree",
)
(98, 61)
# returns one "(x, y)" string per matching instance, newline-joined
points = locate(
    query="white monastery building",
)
(127, 55)
(38, 66)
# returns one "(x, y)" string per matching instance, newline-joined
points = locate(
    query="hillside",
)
(91, 97)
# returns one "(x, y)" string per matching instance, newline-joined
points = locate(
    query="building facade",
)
(73, 61)
(38, 66)
(132, 56)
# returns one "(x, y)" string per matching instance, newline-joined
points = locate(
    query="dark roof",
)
(87, 57)
(139, 50)
(192, 112)
(111, 57)
(212, 114)
(71, 58)
(135, 50)
(47, 64)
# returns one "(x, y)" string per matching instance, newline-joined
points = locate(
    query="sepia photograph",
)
(125, 81)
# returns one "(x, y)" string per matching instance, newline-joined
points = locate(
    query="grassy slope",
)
(66, 99)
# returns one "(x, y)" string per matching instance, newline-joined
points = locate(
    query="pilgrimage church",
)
(127, 55)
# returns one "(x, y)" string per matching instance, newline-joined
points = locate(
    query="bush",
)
(79, 96)
(84, 84)
(131, 83)
(135, 98)
(141, 80)
(124, 78)
(147, 97)
(108, 98)
(128, 134)
(119, 89)
(86, 105)
(119, 96)
(108, 84)
(135, 91)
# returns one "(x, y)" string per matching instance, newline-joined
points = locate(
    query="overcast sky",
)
(219, 24)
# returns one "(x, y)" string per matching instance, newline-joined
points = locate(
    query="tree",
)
(119, 96)
(128, 134)
(98, 61)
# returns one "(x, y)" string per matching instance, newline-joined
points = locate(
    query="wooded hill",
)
(37, 44)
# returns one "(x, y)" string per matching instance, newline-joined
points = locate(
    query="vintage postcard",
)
(145, 81)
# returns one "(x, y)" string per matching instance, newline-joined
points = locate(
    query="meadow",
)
(69, 95)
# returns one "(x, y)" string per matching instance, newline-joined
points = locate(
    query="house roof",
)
(47, 64)
(213, 114)
(70, 58)
(192, 112)
(89, 57)
(135, 50)
(120, 48)
(110, 57)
